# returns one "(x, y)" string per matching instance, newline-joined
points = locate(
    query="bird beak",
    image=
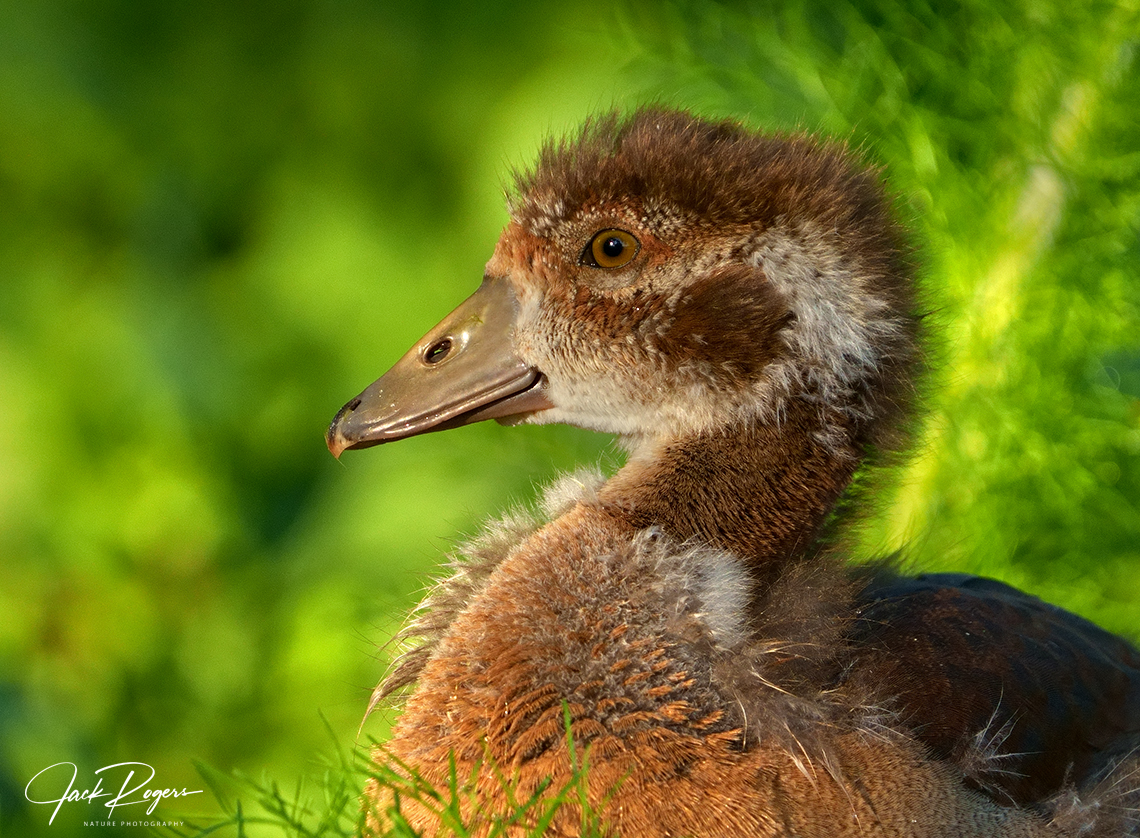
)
(464, 370)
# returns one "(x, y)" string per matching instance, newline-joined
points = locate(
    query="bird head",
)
(663, 276)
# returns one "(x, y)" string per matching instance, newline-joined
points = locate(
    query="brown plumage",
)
(740, 309)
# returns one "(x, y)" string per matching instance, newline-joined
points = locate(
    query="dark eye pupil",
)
(613, 246)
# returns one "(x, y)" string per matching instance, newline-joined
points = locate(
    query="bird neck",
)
(760, 490)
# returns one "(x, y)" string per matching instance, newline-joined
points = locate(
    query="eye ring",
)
(610, 249)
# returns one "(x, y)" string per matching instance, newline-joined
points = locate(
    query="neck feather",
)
(761, 491)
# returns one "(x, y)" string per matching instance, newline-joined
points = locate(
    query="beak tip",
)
(334, 436)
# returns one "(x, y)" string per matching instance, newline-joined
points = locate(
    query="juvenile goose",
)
(739, 309)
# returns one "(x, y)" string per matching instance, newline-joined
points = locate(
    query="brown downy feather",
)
(469, 567)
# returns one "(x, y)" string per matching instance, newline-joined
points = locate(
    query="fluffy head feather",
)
(771, 268)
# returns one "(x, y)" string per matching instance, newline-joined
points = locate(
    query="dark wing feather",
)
(1024, 695)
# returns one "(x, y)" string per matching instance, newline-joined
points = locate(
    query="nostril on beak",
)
(437, 351)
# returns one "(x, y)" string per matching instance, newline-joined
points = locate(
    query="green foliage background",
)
(219, 221)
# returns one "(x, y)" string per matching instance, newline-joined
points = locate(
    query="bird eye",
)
(610, 249)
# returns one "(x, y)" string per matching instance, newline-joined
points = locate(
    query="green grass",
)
(331, 804)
